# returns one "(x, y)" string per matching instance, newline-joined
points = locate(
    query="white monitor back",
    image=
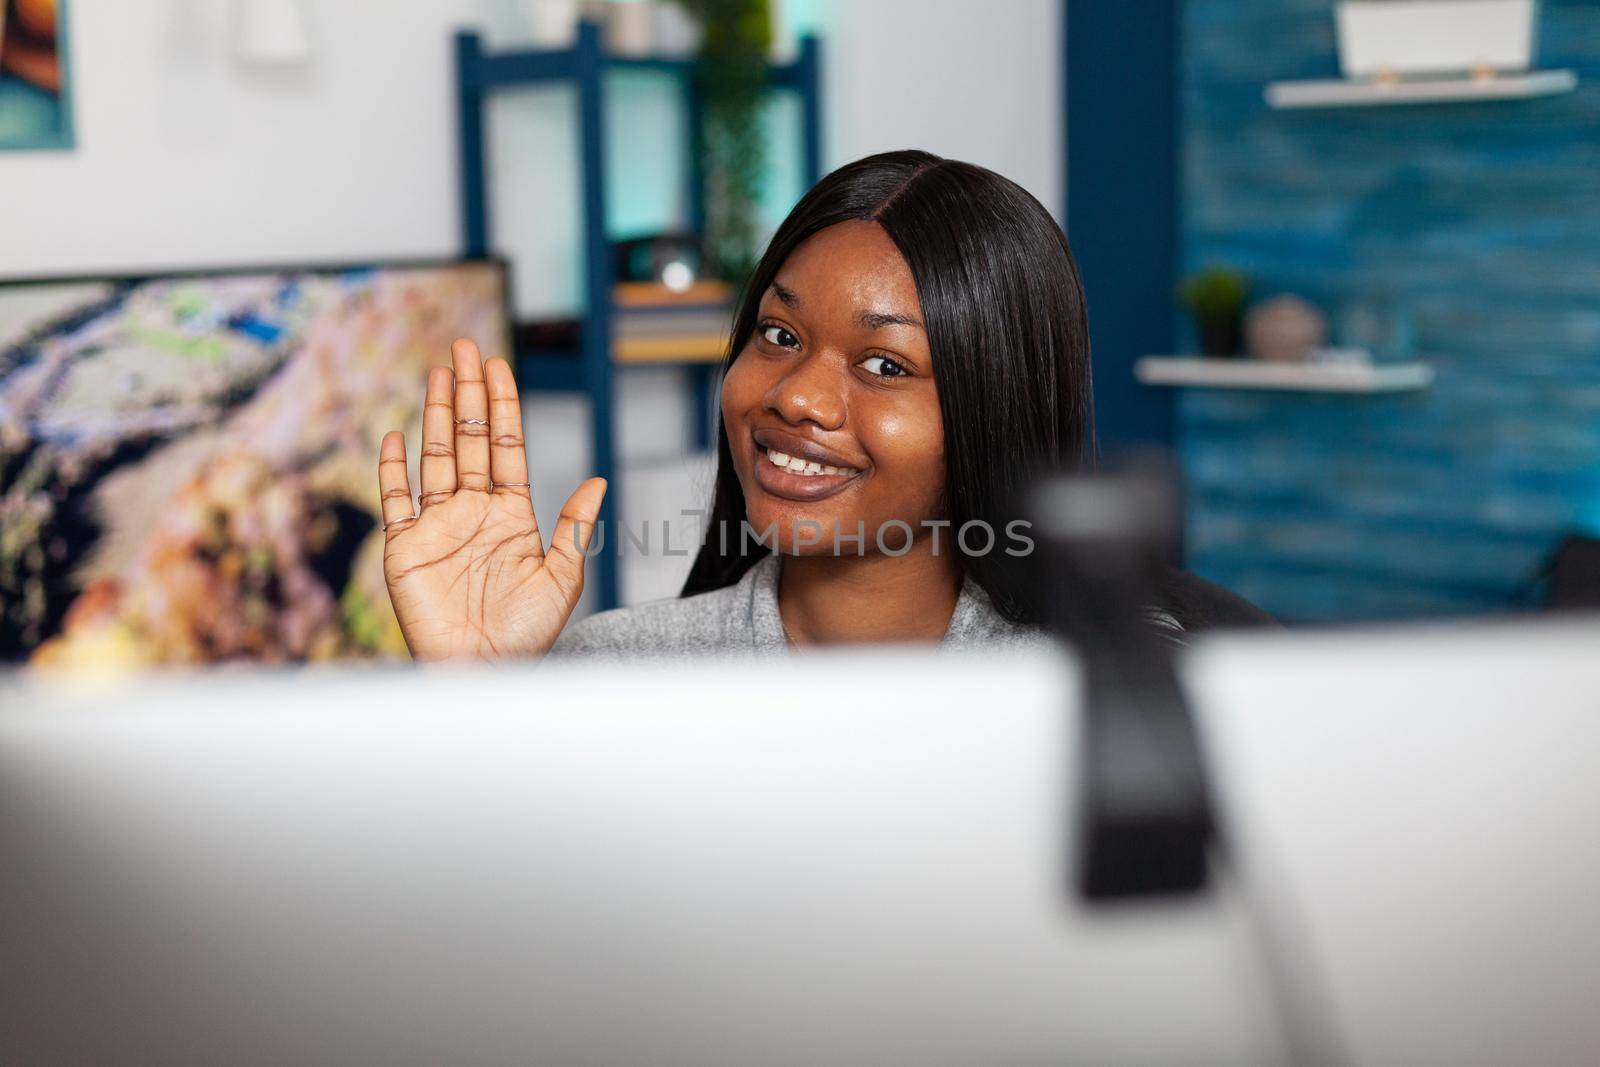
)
(837, 859)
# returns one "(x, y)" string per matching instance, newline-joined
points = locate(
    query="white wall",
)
(185, 158)
(978, 80)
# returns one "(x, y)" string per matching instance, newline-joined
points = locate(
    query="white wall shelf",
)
(1243, 373)
(1341, 92)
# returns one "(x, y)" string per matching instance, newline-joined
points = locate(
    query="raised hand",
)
(468, 575)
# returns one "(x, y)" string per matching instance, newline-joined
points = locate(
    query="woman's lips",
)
(795, 477)
(781, 441)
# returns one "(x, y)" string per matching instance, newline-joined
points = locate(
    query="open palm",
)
(468, 574)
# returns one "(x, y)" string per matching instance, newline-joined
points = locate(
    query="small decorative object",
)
(271, 33)
(785, 42)
(35, 102)
(1375, 323)
(673, 260)
(1386, 40)
(630, 27)
(1216, 298)
(1284, 329)
(677, 33)
(554, 22)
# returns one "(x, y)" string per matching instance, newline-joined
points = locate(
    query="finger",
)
(472, 418)
(508, 456)
(394, 484)
(439, 437)
(574, 531)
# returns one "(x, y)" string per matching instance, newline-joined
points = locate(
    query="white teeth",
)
(809, 468)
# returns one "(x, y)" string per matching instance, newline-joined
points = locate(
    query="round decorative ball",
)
(1284, 328)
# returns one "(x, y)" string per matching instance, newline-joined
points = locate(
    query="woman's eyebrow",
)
(872, 320)
(875, 320)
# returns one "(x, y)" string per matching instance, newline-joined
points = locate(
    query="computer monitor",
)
(187, 459)
(825, 859)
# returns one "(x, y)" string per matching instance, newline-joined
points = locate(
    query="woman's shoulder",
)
(660, 627)
(718, 621)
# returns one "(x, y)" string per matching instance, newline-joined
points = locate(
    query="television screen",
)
(188, 462)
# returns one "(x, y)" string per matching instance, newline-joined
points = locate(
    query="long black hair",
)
(1007, 327)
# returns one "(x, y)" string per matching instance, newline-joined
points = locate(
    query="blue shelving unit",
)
(478, 75)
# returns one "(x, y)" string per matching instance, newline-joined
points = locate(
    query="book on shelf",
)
(694, 348)
(675, 325)
(654, 324)
(650, 324)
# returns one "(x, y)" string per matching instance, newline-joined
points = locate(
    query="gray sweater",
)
(743, 618)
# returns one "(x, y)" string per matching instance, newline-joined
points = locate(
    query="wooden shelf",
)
(655, 295)
(1340, 92)
(1241, 373)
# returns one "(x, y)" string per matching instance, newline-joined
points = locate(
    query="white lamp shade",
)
(272, 32)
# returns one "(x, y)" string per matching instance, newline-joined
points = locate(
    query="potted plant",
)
(732, 73)
(1216, 297)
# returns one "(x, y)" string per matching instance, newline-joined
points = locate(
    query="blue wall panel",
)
(1121, 199)
(1479, 224)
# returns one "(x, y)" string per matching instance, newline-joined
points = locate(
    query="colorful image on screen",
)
(187, 463)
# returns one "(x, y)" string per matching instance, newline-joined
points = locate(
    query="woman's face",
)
(830, 406)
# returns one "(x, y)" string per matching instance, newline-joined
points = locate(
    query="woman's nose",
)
(812, 391)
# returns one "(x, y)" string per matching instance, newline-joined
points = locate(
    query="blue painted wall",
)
(1120, 110)
(1480, 224)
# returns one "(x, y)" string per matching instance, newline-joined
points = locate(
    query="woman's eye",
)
(883, 367)
(777, 335)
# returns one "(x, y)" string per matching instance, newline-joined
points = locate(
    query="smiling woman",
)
(911, 352)
(923, 318)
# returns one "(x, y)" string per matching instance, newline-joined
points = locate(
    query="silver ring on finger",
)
(512, 485)
(472, 422)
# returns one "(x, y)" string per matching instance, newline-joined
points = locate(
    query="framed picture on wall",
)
(35, 90)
